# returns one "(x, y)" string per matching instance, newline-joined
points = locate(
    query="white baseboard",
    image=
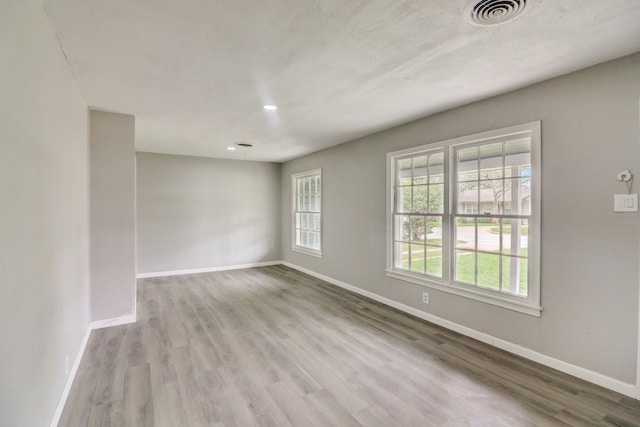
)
(627, 389)
(130, 318)
(122, 320)
(206, 269)
(543, 359)
(72, 375)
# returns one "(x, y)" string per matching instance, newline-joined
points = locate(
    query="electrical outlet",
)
(425, 297)
(66, 365)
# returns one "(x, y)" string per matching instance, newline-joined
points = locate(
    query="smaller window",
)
(307, 212)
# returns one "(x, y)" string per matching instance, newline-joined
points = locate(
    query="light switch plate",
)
(625, 203)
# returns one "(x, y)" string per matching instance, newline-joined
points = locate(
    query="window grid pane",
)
(487, 201)
(307, 206)
(478, 189)
(418, 209)
(418, 243)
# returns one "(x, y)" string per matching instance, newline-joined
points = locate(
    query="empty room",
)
(319, 213)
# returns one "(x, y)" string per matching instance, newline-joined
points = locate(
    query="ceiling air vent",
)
(493, 12)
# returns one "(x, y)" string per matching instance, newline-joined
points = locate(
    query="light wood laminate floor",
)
(275, 347)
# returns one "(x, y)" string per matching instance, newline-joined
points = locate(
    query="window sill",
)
(307, 251)
(474, 294)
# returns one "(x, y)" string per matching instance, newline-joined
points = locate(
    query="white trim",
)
(117, 321)
(568, 368)
(206, 269)
(637, 389)
(99, 324)
(529, 305)
(306, 251)
(135, 234)
(294, 202)
(472, 293)
(72, 375)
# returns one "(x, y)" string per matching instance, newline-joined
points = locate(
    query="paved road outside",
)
(487, 240)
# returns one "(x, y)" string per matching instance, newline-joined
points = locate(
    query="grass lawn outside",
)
(507, 230)
(488, 267)
(489, 270)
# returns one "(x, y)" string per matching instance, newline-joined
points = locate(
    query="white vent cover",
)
(493, 12)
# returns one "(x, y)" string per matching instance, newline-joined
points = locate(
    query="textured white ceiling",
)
(196, 73)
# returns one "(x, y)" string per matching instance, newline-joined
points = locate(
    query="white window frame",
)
(294, 210)
(528, 305)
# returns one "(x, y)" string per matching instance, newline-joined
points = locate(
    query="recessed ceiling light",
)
(244, 144)
(270, 107)
(231, 148)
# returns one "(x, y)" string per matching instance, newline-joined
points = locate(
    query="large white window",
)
(464, 216)
(307, 212)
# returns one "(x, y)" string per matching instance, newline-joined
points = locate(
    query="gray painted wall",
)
(112, 189)
(590, 123)
(200, 213)
(44, 216)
